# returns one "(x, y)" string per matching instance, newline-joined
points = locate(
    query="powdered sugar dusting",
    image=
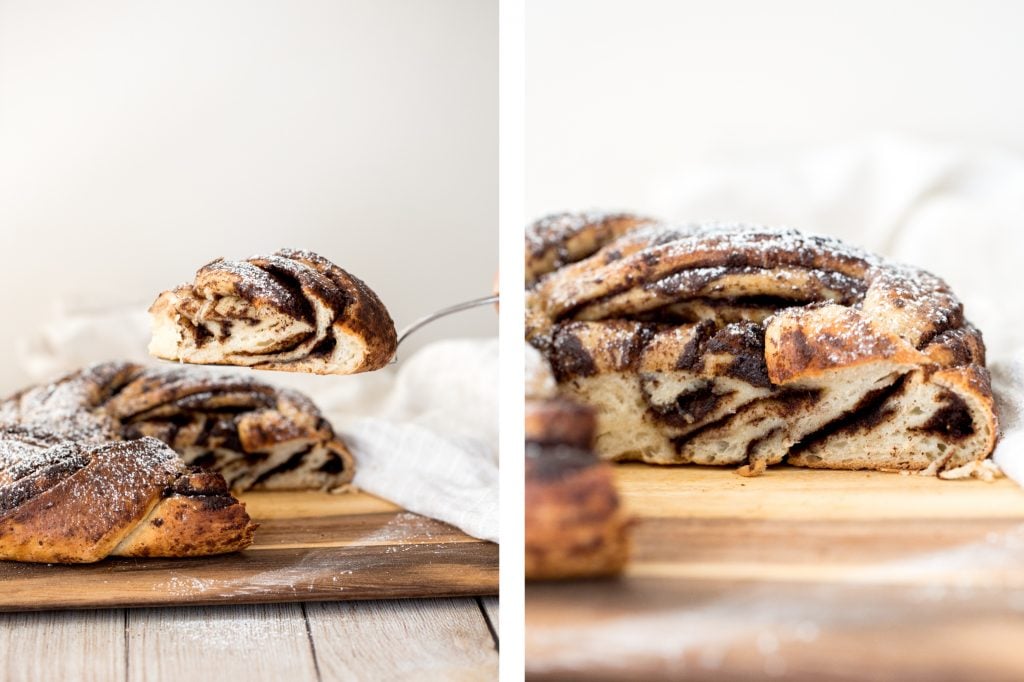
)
(674, 263)
(551, 231)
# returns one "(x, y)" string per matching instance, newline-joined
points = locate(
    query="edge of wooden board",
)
(791, 493)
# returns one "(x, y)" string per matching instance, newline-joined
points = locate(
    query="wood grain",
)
(799, 575)
(84, 645)
(256, 642)
(356, 547)
(791, 493)
(432, 639)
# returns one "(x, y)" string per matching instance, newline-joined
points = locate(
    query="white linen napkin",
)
(1008, 384)
(433, 446)
(955, 210)
(424, 432)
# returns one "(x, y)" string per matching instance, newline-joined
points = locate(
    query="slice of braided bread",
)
(292, 311)
(78, 502)
(575, 525)
(749, 346)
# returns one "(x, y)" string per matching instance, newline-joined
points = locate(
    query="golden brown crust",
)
(801, 346)
(575, 526)
(292, 311)
(365, 316)
(722, 330)
(562, 238)
(85, 514)
(196, 517)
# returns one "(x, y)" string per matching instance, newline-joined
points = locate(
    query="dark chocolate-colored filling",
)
(871, 410)
(205, 460)
(198, 485)
(571, 358)
(634, 347)
(692, 356)
(215, 502)
(226, 432)
(756, 442)
(293, 462)
(204, 434)
(324, 347)
(754, 301)
(688, 407)
(333, 465)
(745, 342)
(335, 297)
(225, 330)
(114, 389)
(952, 420)
(257, 401)
(687, 281)
(296, 304)
(787, 399)
(202, 335)
(255, 457)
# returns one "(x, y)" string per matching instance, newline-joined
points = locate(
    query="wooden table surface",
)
(309, 547)
(235, 616)
(406, 639)
(798, 574)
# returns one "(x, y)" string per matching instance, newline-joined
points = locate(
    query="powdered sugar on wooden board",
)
(679, 634)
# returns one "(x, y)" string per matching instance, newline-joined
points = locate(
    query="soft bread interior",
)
(879, 413)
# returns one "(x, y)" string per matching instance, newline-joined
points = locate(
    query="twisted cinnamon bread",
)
(292, 311)
(87, 468)
(742, 345)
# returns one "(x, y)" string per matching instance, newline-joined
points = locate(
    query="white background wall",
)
(140, 140)
(621, 93)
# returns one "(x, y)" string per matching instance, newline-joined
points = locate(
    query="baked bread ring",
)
(97, 463)
(257, 436)
(293, 311)
(747, 346)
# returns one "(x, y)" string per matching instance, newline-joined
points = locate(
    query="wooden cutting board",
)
(310, 546)
(797, 574)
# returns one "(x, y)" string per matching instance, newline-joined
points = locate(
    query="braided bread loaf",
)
(87, 468)
(746, 346)
(292, 311)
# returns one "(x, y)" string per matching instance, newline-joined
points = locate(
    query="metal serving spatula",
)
(444, 312)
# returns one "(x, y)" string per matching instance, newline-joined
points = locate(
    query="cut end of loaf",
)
(742, 345)
(293, 311)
